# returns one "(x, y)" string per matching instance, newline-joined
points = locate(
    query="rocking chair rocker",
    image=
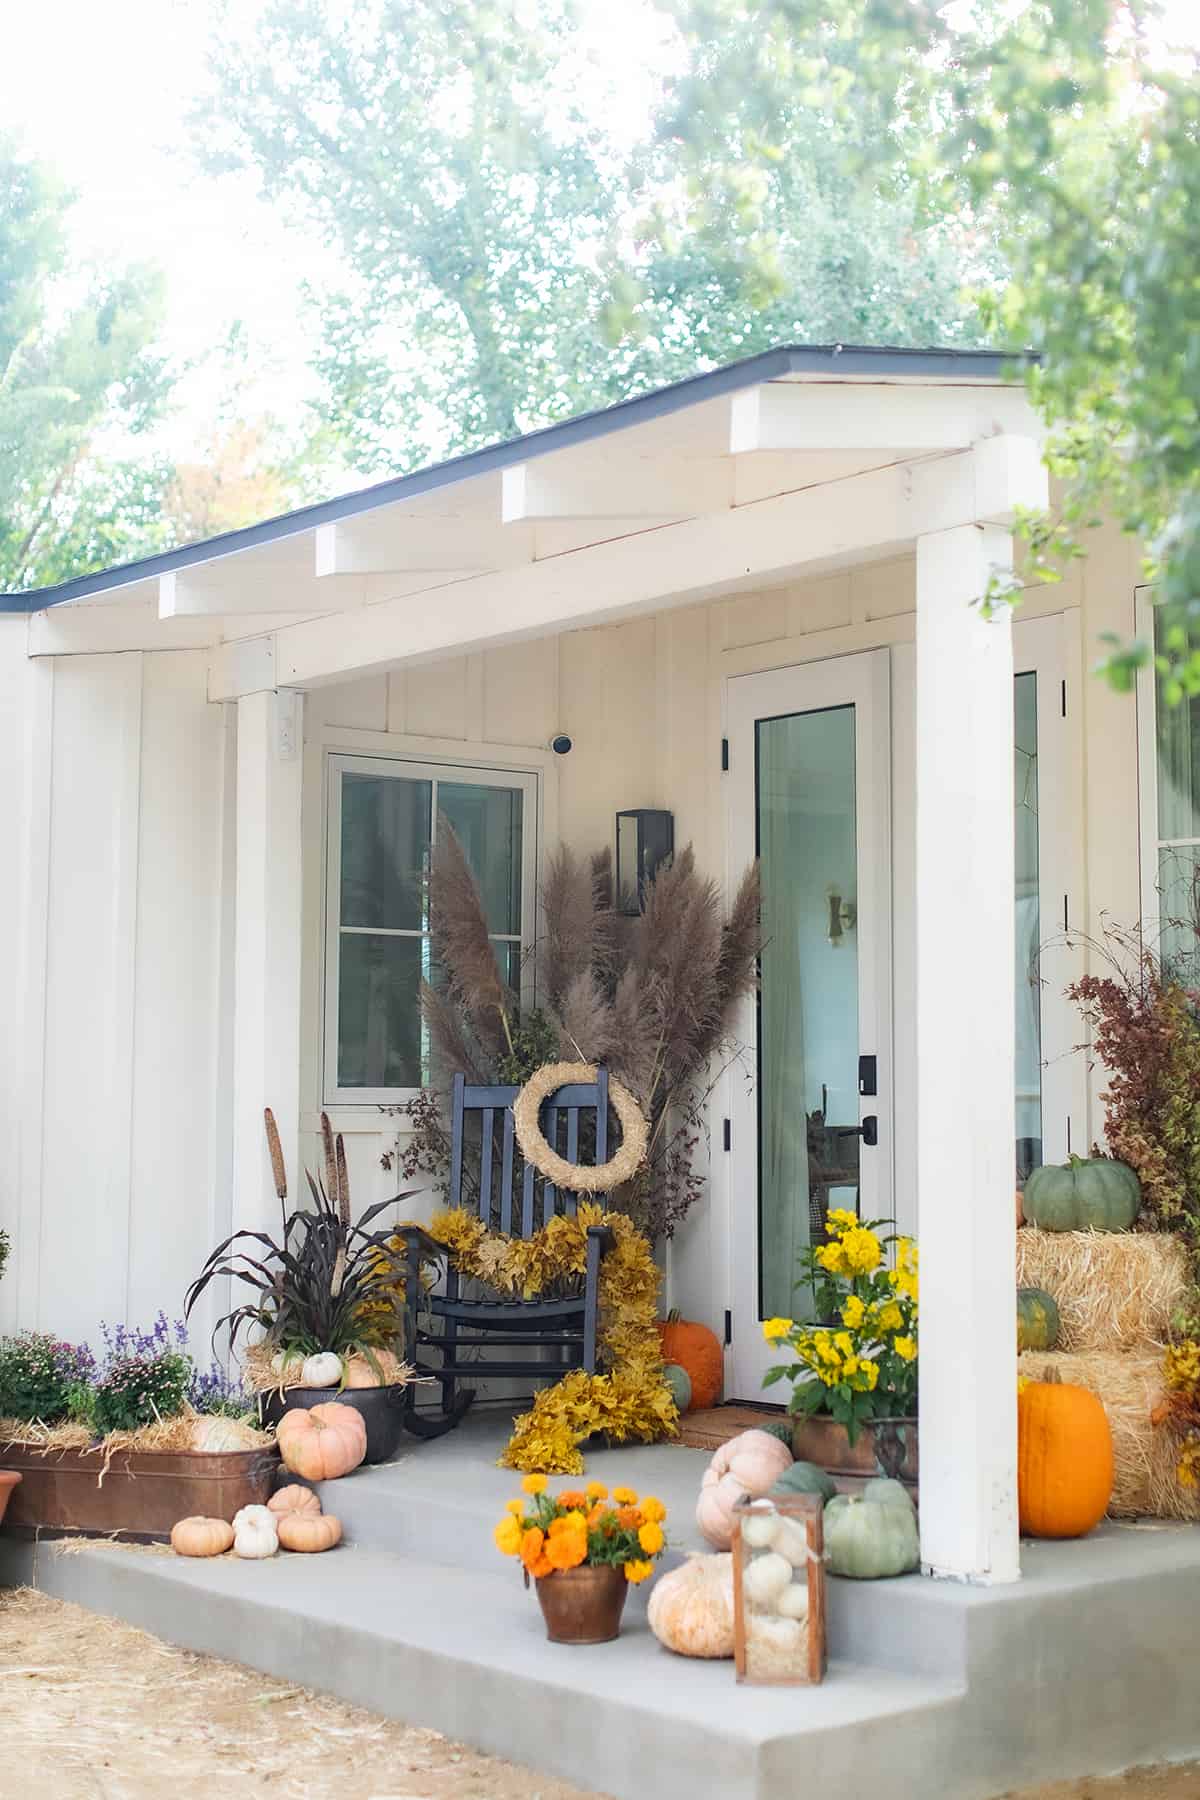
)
(461, 1322)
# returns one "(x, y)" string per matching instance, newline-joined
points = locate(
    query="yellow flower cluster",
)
(631, 1400)
(904, 1277)
(855, 1251)
(1181, 1366)
(1187, 1469)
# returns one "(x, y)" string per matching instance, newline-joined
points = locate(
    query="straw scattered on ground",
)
(1130, 1386)
(91, 1709)
(1115, 1290)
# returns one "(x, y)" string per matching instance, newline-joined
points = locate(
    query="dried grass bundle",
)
(1115, 1290)
(1130, 1385)
(451, 1050)
(677, 957)
(458, 926)
(44, 1437)
(568, 943)
(173, 1434)
(585, 1020)
(261, 1377)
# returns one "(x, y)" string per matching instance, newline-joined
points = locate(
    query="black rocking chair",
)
(482, 1136)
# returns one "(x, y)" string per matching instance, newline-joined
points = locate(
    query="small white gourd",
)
(255, 1533)
(791, 1540)
(322, 1370)
(759, 1529)
(764, 1579)
(793, 1602)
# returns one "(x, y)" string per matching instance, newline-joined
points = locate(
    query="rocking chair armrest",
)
(416, 1237)
(604, 1233)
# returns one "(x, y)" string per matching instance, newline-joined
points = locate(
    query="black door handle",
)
(868, 1131)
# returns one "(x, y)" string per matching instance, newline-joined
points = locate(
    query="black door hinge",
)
(1064, 699)
(727, 1135)
(724, 753)
(728, 1327)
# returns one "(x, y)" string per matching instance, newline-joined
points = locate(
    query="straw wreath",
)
(579, 1178)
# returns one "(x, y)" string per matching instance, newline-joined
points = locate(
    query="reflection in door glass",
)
(1028, 912)
(808, 1007)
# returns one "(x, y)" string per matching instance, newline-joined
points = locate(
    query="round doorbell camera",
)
(560, 743)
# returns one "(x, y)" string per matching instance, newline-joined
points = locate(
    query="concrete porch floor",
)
(934, 1690)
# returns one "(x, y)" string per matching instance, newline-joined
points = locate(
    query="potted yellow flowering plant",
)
(584, 1549)
(853, 1369)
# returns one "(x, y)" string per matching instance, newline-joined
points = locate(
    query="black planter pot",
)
(382, 1410)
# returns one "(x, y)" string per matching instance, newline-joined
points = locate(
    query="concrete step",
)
(464, 1652)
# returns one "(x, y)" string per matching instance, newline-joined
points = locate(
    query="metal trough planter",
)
(140, 1494)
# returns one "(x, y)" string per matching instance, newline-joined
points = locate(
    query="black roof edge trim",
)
(766, 365)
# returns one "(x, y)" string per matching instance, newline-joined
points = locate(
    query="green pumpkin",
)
(871, 1539)
(885, 1492)
(1086, 1193)
(680, 1384)
(778, 1428)
(1037, 1319)
(806, 1478)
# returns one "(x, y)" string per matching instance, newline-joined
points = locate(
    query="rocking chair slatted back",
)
(581, 1101)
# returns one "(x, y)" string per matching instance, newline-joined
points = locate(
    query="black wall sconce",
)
(645, 838)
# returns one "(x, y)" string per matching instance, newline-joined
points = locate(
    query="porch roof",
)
(798, 458)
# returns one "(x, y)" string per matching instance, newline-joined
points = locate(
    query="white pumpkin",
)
(691, 1608)
(214, 1433)
(255, 1532)
(322, 1370)
(764, 1580)
(791, 1540)
(759, 1529)
(749, 1464)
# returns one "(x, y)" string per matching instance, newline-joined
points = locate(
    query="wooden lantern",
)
(779, 1590)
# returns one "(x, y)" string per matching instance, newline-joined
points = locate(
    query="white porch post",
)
(266, 980)
(965, 1057)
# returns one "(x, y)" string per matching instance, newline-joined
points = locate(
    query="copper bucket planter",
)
(8, 1481)
(583, 1605)
(883, 1447)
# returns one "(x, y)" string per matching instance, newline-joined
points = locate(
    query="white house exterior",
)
(777, 558)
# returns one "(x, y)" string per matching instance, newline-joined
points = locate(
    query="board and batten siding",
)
(112, 796)
(117, 806)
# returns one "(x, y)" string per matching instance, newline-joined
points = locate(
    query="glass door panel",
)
(808, 1046)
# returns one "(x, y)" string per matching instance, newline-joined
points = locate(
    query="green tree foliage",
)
(1065, 123)
(508, 262)
(76, 364)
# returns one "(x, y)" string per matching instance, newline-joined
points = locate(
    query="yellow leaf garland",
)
(631, 1400)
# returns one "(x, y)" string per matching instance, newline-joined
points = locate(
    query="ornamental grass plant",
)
(858, 1361)
(582, 1527)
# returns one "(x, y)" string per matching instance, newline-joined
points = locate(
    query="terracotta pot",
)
(8, 1481)
(583, 1605)
(883, 1447)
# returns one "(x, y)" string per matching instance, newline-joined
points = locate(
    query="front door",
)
(809, 795)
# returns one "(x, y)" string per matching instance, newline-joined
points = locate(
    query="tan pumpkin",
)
(294, 1499)
(691, 1608)
(309, 1532)
(322, 1442)
(360, 1372)
(213, 1433)
(750, 1464)
(201, 1537)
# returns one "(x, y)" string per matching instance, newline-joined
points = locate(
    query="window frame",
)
(410, 767)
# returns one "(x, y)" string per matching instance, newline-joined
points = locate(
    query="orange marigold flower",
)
(651, 1539)
(653, 1510)
(531, 1547)
(567, 1550)
(574, 1502)
(599, 1513)
(624, 1496)
(636, 1571)
(596, 1490)
(629, 1518)
(571, 1521)
(508, 1535)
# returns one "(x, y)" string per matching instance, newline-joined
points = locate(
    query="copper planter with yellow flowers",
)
(852, 1361)
(583, 1548)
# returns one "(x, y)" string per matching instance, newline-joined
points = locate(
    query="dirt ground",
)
(91, 1709)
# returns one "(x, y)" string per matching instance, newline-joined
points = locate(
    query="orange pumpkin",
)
(309, 1532)
(698, 1350)
(201, 1537)
(1064, 1459)
(322, 1442)
(294, 1499)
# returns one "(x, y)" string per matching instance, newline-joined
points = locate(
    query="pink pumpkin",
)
(749, 1464)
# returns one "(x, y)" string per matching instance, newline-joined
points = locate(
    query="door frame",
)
(861, 679)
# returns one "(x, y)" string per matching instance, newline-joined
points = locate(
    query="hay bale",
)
(1116, 1290)
(1129, 1385)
